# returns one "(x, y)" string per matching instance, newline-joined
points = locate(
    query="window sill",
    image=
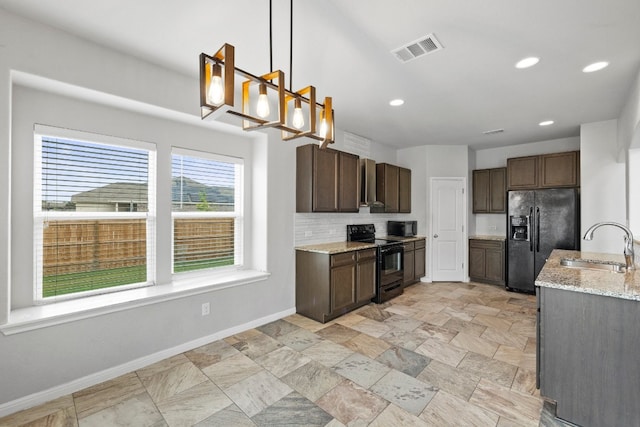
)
(36, 317)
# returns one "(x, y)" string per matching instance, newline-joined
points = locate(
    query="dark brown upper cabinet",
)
(560, 170)
(489, 190)
(387, 184)
(326, 180)
(393, 188)
(404, 190)
(545, 171)
(348, 185)
(522, 173)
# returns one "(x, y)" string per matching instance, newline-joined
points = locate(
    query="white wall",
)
(496, 224)
(497, 157)
(629, 139)
(602, 186)
(35, 361)
(427, 162)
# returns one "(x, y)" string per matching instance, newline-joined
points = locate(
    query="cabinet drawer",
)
(485, 244)
(420, 244)
(409, 246)
(343, 259)
(366, 254)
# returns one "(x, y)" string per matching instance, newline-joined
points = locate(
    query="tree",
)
(204, 204)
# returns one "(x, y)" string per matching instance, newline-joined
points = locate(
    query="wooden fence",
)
(90, 245)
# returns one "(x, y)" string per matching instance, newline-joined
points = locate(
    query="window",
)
(206, 195)
(94, 214)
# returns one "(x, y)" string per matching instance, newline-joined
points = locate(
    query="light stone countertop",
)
(404, 239)
(597, 282)
(335, 247)
(487, 237)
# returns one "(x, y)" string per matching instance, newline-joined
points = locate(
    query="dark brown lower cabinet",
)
(487, 261)
(414, 261)
(328, 286)
(420, 259)
(588, 356)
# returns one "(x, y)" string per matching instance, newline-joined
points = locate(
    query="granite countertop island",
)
(597, 282)
(587, 340)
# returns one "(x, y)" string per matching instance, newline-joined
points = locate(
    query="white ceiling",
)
(342, 47)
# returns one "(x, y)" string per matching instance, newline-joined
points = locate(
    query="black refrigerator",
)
(539, 221)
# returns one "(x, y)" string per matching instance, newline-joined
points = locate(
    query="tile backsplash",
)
(312, 228)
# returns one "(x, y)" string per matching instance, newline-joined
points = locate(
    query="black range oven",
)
(390, 260)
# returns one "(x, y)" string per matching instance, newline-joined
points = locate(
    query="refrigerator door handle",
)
(530, 228)
(537, 229)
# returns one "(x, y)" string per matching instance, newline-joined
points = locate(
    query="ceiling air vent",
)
(493, 131)
(417, 48)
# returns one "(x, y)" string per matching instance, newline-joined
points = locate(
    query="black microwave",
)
(402, 228)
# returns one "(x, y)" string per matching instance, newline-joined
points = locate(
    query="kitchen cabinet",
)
(553, 170)
(330, 285)
(560, 170)
(387, 185)
(326, 180)
(348, 182)
(489, 190)
(414, 261)
(587, 351)
(404, 190)
(365, 276)
(420, 259)
(393, 188)
(487, 261)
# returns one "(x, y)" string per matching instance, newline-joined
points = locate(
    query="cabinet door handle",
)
(435, 236)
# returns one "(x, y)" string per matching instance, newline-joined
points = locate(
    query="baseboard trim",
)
(116, 371)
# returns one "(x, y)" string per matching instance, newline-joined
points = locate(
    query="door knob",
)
(435, 236)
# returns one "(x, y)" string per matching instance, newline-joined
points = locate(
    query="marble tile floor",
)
(441, 354)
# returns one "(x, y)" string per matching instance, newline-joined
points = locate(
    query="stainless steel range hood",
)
(368, 186)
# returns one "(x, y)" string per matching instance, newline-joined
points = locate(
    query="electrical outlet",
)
(493, 228)
(206, 309)
(332, 231)
(308, 233)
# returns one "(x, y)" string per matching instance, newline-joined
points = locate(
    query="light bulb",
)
(298, 117)
(323, 128)
(216, 88)
(262, 109)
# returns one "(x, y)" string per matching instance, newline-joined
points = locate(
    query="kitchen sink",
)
(612, 266)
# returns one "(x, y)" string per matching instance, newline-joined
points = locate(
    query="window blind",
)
(93, 211)
(206, 194)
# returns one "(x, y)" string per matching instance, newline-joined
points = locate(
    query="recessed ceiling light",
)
(527, 62)
(396, 102)
(596, 66)
(546, 123)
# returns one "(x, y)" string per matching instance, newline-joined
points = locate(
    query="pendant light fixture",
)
(217, 93)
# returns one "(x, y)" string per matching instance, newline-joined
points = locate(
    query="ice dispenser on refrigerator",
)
(519, 227)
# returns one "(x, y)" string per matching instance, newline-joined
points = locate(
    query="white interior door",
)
(447, 229)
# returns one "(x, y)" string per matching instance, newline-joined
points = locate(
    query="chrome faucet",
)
(628, 241)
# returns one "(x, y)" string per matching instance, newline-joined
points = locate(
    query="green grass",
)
(63, 284)
(71, 283)
(181, 267)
